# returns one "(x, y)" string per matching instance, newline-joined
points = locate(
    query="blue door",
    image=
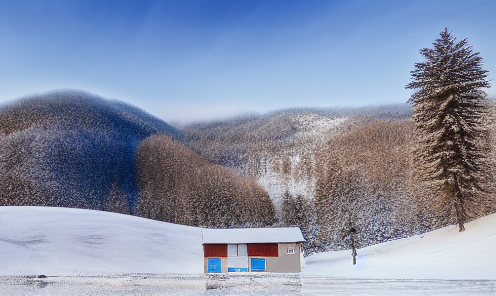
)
(257, 264)
(214, 265)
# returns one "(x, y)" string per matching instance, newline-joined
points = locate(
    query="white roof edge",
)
(251, 235)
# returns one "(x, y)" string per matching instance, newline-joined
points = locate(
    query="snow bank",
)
(58, 241)
(441, 254)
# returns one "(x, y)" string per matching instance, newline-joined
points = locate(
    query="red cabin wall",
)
(263, 250)
(215, 250)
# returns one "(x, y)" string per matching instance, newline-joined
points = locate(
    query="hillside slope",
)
(59, 241)
(178, 186)
(440, 254)
(73, 149)
(56, 241)
(279, 149)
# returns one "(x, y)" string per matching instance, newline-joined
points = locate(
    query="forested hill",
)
(274, 146)
(82, 110)
(74, 149)
(326, 169)
(230, 142)
(71, 148)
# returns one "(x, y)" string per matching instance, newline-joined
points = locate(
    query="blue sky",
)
(194, 60)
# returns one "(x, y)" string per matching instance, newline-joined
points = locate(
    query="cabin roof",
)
(252, 235)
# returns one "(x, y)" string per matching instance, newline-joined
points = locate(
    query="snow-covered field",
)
(441, 254)
(61, 241)
(91, 252)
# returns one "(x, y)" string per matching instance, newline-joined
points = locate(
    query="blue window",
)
(214, 265)
(257, 264)
(237, 269)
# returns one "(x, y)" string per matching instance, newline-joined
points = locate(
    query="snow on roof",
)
(252, 235)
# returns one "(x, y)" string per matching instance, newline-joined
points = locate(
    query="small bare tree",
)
(348, 235)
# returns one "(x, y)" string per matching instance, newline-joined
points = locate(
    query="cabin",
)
(252, 250)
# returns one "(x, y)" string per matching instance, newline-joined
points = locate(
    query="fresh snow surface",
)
(441, 254)
(61, 241)
(252, 235)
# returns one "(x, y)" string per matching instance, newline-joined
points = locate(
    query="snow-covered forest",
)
(72, 149)
(329, 170)
(325, 170)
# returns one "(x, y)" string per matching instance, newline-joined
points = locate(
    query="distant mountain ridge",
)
(71, 108)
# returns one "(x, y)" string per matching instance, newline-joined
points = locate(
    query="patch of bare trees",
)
(364, 181)
(176, 185)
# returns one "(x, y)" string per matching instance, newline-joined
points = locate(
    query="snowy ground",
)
(61, 241)
(441, 254)
(91, 252)
(249, 284)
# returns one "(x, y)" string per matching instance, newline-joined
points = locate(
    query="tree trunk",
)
(353, 252)
(459, 206)
(460, 214)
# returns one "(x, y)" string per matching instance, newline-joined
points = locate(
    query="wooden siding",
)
(215, 250)
(263, 250)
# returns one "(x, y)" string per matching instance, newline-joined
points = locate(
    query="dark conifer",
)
(449, 110)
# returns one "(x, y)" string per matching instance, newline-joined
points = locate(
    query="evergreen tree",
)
(449, 110)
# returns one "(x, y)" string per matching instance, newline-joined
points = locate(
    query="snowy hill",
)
(73, 149)
(58, 241)
(441, 254)
(54, 241)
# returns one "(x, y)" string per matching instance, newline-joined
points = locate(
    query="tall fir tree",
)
(449, 111)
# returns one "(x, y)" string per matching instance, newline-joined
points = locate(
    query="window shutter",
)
(232, 250)
(242, 250)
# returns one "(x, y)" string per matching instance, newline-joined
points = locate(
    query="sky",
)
(193, 60)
